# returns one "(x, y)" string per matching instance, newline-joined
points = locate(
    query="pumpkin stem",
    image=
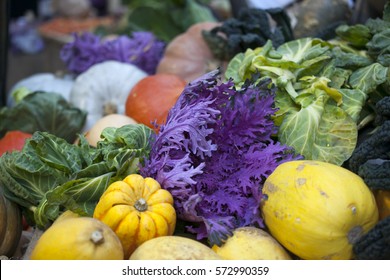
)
(59, 74)
(109, 108)
(141, 205)
(97, 237)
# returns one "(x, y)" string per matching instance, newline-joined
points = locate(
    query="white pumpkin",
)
(49, 82)
(72, 8)
(104, 88)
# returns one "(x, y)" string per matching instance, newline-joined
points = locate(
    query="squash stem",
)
(97, 237)
(141, 205)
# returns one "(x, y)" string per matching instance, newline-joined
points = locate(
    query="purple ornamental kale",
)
(82, 53)
(214, 153)
(142, 49)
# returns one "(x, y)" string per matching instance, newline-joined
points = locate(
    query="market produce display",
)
(190, 136)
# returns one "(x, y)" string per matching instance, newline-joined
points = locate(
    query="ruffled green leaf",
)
(368, 78)
(51, 175)
(320, 131)
(317, 108)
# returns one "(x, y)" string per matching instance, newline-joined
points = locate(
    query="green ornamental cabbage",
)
(321, 90)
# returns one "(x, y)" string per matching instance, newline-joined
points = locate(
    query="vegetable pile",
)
(210, 140)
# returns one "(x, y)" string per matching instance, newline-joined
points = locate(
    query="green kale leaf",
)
(250, 29)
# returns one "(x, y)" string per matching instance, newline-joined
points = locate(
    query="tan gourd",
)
(111, 120)
(188, 55)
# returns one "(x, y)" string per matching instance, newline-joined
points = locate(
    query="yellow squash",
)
(173, 248)
(72, 237)
(317, 210)
(251, 243)
(137, 209)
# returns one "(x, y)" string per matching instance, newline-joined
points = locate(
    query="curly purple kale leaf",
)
(214, 153)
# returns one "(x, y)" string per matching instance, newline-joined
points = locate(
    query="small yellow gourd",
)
(317, 210)
(137, 209)
(73, 237)
(251, 243)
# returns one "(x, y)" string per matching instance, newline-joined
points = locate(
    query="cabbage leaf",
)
(321, 90)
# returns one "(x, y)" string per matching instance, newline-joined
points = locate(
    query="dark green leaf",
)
(368, 78)
(357, 35)
(157, 21)
(43, 111)
(166, 19)
(379, 47)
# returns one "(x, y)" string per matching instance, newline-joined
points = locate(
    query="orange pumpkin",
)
(13, 141)
(152, 97)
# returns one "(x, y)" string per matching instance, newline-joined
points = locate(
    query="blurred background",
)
(33, 32)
